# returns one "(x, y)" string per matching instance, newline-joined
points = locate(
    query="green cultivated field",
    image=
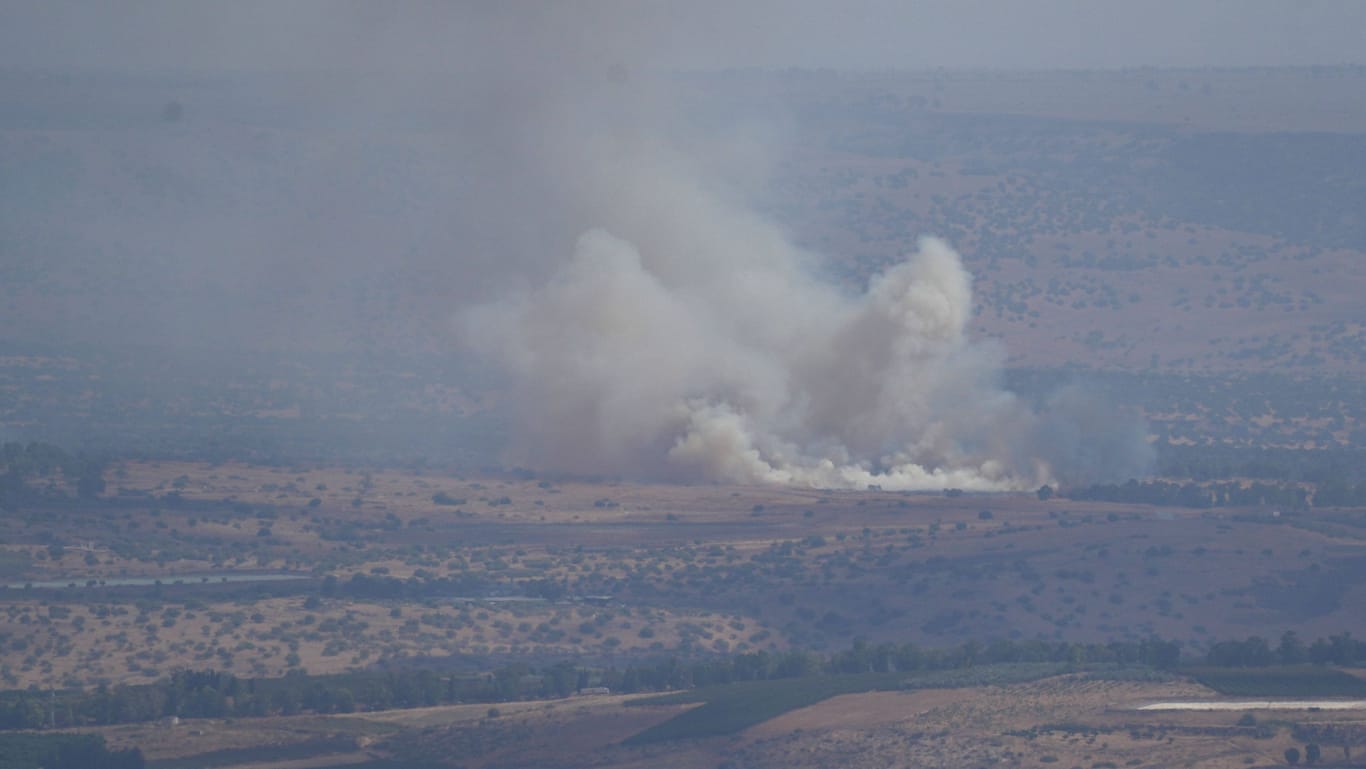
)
(730, 708)
(1298, 681)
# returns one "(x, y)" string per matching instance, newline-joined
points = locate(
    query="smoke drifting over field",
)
(527, 179)
(723, 360)
(683, 336)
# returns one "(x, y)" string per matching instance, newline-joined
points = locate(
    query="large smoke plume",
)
(349, 176)
(684, 336)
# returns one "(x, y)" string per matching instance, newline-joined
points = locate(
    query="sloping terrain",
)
(464, 573)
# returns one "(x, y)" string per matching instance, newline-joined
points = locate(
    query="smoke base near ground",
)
(742, 368)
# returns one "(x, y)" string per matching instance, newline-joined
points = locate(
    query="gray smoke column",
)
(669, 330)
(686, 338)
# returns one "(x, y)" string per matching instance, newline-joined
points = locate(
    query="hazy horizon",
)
(525, 183)
(860, 35)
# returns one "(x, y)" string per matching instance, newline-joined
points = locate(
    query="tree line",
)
(215, 694)
(64, 751)
(1346, 465)
(1287, 496)
(29, 470)
(1341, 650)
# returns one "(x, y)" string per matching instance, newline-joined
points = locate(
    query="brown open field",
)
(1067, 720)
(620, 571)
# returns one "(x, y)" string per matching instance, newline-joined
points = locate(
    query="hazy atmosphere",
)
(862, 34)
(653, 323)
(777, 385)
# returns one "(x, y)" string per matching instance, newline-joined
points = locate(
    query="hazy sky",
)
(308, 34)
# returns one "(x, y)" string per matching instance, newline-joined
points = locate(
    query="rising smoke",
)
(686, 338)
(348, 176)
(683, 336)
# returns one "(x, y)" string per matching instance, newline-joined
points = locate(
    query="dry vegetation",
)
(1065, 721)
(614, 572)
(1074, 267)
(1087, 250)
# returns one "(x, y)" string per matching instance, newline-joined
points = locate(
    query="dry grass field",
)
(613, 572)
(1065, 721)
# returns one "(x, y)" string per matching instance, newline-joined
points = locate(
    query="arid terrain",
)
(1068, 721)
(1186, 244)
(611, 572)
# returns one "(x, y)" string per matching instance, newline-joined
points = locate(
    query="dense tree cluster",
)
(1345, 465)
(1256, 651)
(212, 694)
(1337, 492)
(64, 751)
(1332, 492)
(1198, 495)
(33, 470)
(380, 587)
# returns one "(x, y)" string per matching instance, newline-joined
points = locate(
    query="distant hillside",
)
(1184, 220)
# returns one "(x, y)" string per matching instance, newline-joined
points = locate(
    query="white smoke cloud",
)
(683, 336)
(387, 164)
(688, 339)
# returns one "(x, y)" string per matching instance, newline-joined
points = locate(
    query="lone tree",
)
(1312, 754)
(1292, 756)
